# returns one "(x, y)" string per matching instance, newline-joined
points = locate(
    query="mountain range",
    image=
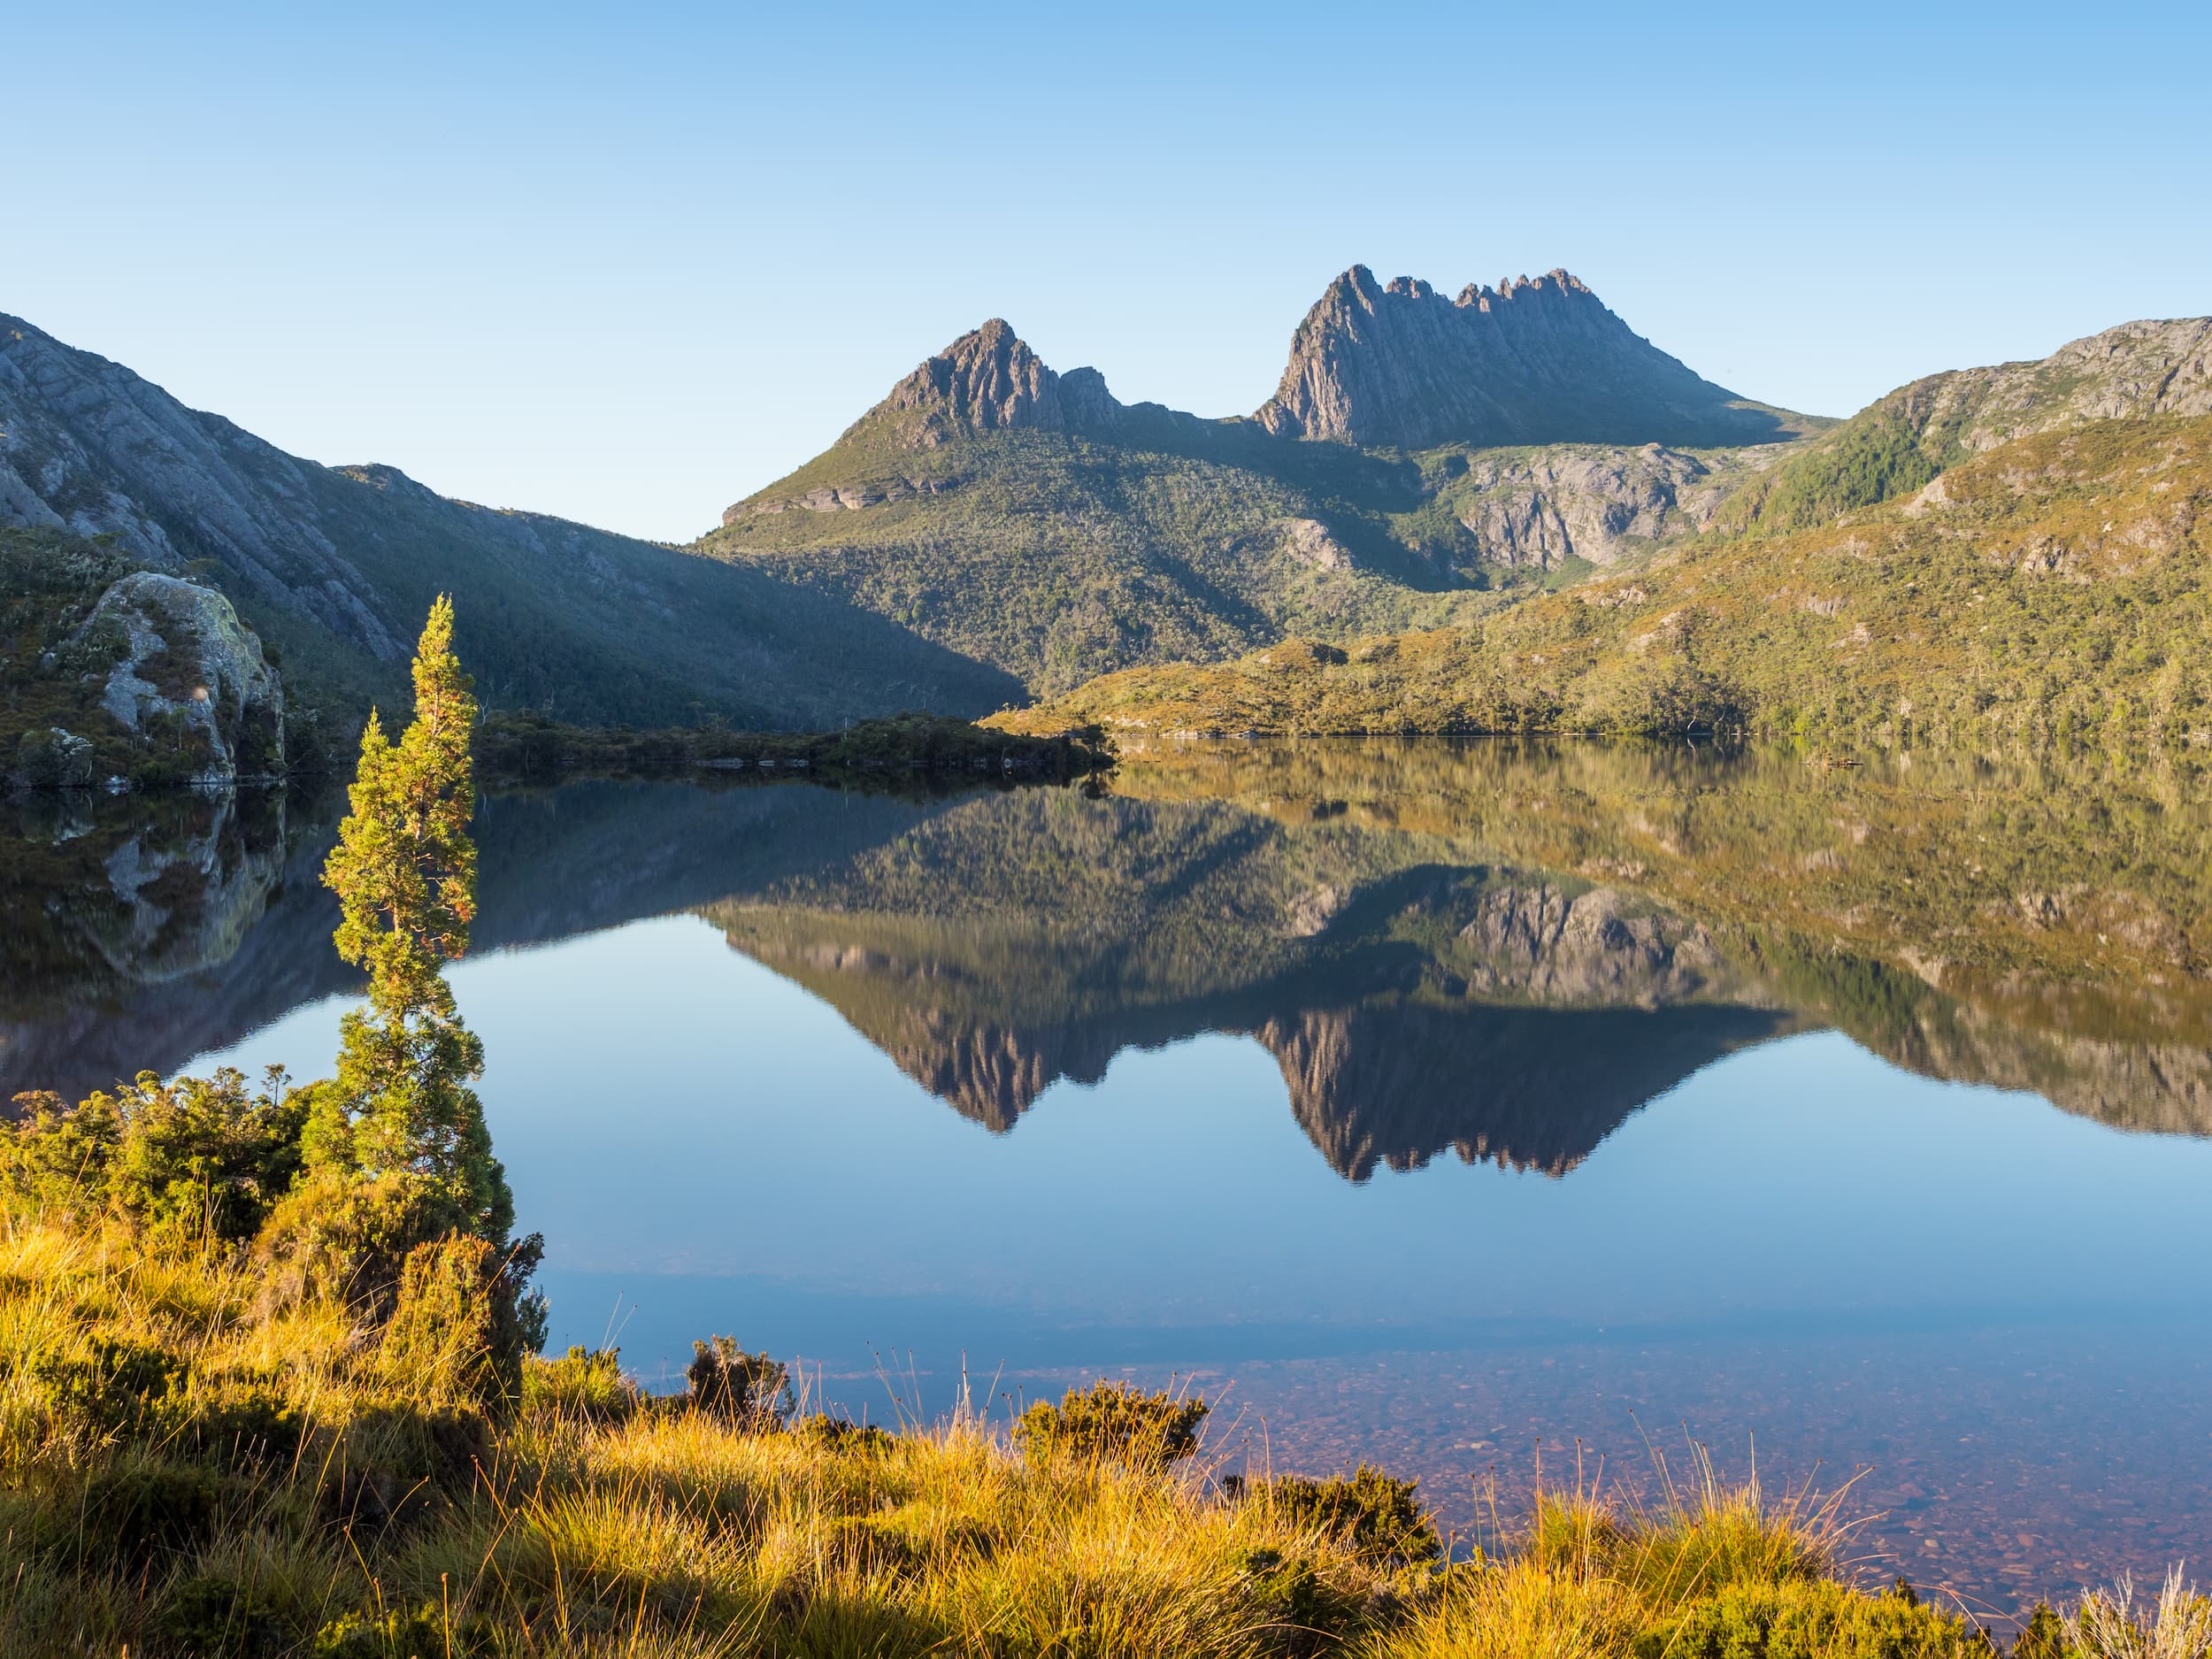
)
(1427, 470)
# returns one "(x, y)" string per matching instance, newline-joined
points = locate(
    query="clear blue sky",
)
(630, 263)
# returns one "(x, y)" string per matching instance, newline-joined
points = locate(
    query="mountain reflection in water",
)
(1493, 949)
(718, 1020)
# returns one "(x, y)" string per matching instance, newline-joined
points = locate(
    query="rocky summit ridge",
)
(987, 381)
(1373, 364)
(1528, 362)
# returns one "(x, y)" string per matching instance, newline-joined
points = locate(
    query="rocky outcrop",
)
(1533, 508)
(2133, 372)
(1900, 444)
(989, 380)
(1310, 542)
(1527, 362)
(182, 654)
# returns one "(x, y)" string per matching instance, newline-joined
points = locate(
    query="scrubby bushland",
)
(2052, 590)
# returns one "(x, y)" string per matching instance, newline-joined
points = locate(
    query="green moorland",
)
(267, 1388)
(1057, 556)
(2049, 590)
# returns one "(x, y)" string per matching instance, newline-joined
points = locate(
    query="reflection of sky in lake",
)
(710, 1148)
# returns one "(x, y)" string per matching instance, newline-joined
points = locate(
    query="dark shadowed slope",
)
(338, 566)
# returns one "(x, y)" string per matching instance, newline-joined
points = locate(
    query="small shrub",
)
(198, 1156)
(345, 1240)
(843, 1434)
(1298, 1611)
(55, 1158)
(211, 1616)
(586, 1384)
(117, 1388)
(751, 1390)
(1114, 1421)
(439, 1344)
(1378, 1517)
(418, 1635)
(2044, 1635)
(1809, 1619)
(137, 1513)
(235, 1422)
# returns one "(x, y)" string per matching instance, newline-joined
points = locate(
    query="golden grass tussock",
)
(191, 1473)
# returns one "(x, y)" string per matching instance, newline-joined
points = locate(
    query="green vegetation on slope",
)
(1057, 558)
(1878, 455)
(1892, 446)
(2051, 589)
(333, 565)
(583, 625)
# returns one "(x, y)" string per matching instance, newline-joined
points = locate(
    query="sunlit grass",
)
(365, 1523)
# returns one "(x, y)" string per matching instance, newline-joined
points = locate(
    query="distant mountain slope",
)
(338, 566)
(2058, 586)
(1897, 443)
(1540, 362)
(1033, 520)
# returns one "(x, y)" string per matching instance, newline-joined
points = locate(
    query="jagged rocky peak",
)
(990, 380)
(1535, 360)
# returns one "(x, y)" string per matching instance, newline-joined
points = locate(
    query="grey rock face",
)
(342, 563)
(989, 380)
(223, 687)
(110, 453)
(1527, 362)
(1311, 542)
(1533, 508)
(2135, 371)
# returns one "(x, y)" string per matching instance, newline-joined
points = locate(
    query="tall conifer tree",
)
(405, 870)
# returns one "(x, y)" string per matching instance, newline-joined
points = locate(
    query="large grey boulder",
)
(182, 654)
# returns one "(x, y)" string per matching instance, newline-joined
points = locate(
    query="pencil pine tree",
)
(404, 871)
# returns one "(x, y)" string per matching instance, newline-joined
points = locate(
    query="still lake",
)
(1449, 1105)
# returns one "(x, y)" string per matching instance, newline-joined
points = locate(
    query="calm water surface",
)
(1448, 1105)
